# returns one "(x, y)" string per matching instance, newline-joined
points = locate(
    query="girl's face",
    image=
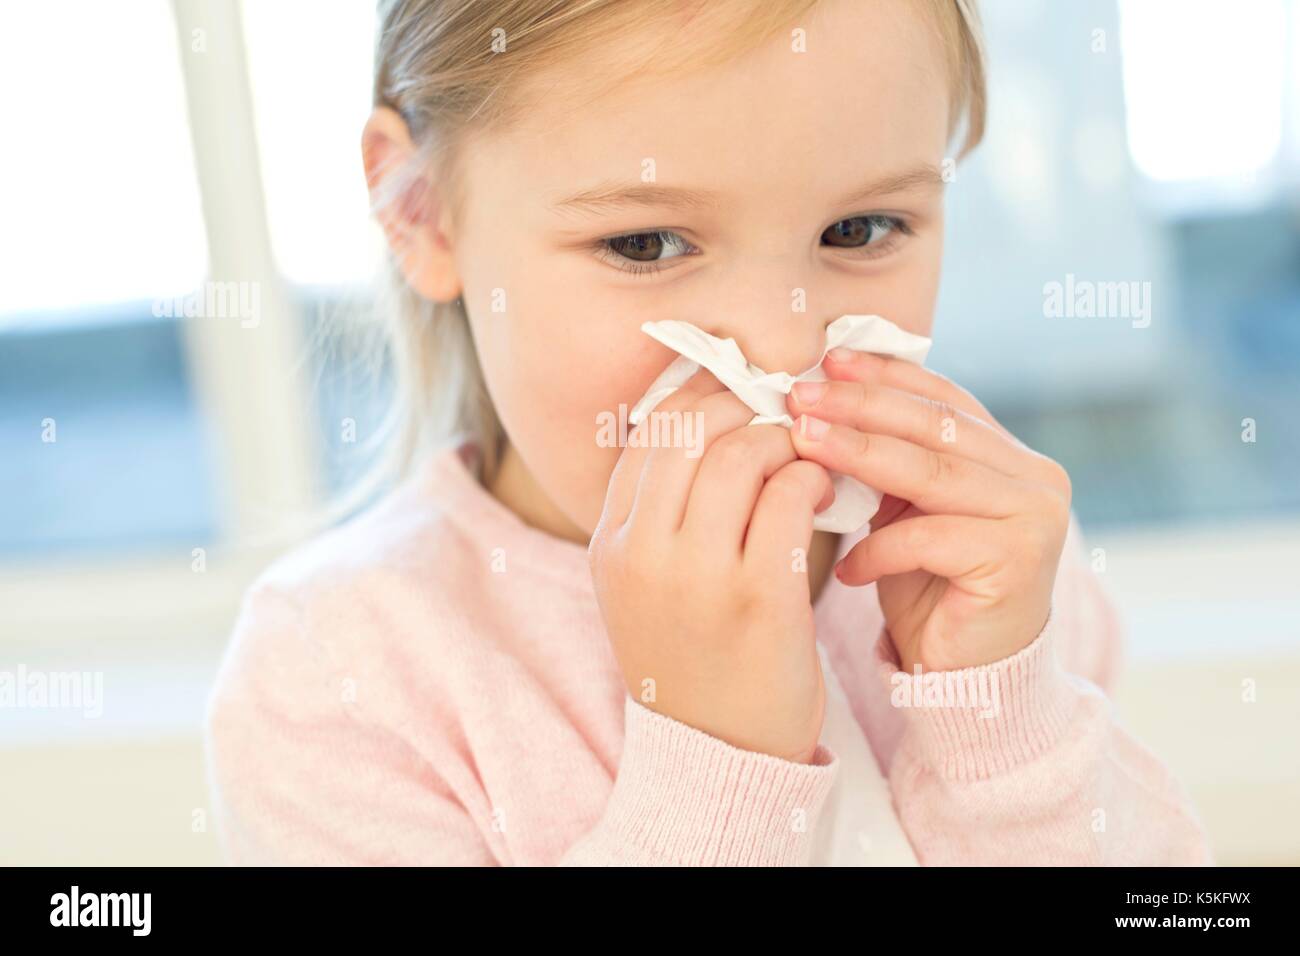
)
(778, 177)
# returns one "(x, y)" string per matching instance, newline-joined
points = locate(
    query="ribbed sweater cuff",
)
(979, 722)
(685, 797)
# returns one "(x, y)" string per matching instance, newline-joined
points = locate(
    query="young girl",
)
(539, 650)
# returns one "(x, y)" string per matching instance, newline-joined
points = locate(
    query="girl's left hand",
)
(965, 546)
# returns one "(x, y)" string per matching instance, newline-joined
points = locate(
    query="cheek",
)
(907, 294)
(559, 420)
(552, 367)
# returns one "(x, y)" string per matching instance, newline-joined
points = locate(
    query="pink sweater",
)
(430, 683)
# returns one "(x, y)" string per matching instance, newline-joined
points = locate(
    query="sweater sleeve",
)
(1031, 767)
(300, 776)
(685, 798)
(1089, 633)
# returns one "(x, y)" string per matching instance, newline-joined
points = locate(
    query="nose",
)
(772, 322)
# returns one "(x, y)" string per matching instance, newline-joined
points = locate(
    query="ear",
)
(409, 206)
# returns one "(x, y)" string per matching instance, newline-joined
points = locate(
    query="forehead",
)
(864, 89)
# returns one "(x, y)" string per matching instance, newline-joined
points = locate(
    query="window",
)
(1212, 114)
(103, 441)
(309, 139)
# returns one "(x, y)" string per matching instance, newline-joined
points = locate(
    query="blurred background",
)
(1122, 289)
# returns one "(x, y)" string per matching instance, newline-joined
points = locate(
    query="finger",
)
(682, 438)
(731, 476)
(892, 509)
(623, 481)
(848, 365)
(932, 423)
(934, 481)
(782, 519)
(949, 546)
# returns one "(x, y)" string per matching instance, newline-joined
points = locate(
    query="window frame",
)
(268, 486)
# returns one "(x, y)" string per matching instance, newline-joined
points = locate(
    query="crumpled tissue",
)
(765, 392)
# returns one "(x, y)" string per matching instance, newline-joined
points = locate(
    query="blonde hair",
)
(436, 65)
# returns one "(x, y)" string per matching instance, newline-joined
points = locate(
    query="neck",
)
(514, 486)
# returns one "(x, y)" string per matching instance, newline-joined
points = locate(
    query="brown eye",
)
(643, 247)
(648, 246)
(627, 251)
(860, 231)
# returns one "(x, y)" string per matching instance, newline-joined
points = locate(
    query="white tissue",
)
(765, 392)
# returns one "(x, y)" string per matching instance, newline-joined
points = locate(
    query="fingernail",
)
(809, 393)
(813, 428)
(839, 570)
(840, 354)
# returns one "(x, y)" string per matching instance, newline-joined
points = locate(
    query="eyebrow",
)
(921, 176)
(613, 195)
(609, 196)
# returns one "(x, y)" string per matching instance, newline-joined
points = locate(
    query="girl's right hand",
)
(703, 590)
